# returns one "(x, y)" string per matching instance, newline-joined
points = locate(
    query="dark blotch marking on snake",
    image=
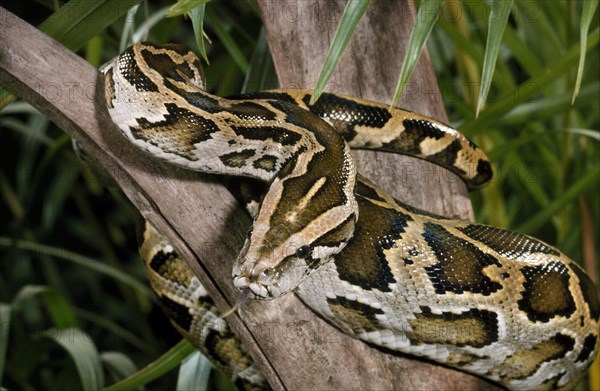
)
(546, 292)
(360, 317)
(363, 261)
(461, 264)
(477, 328)
(237, 159)
(177, 133)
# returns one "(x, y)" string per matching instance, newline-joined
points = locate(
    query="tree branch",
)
(294, 348)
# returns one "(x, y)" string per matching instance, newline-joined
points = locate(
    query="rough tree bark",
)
(299, 35)
(295, 349)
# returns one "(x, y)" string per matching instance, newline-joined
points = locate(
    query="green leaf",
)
(261, 74)
(573, 192)
(197, 17)
(426, 17)
(528, 180)
(57, 193)
(227, 40)
(128, 28)
(56, 304)
(528, 88)
(591, 133)
(142, 32)
(497, 23)
(10, 198)
(495, 205)
(93, 50)
(183, 6)
(521, 51)
(80, 260)
(539, 28)
(84, 354)
(157, 368)
(77, 22)
(587, 14)
(550, 105)
(114, 328)
(194, 373)
(353, 12)
(27, 293)
(118, 364)
(59, 309)
(5, 312)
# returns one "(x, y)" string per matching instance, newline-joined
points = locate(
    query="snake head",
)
(307, 216)
(272, 271)
(295, 232)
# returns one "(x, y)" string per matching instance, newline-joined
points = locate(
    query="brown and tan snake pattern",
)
(495, 303)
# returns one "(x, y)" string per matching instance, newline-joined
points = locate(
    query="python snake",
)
(495, 303)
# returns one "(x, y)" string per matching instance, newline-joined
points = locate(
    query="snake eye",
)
(303, 252)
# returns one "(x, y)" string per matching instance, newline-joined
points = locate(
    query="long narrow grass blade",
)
(426, 17)
(128, 28)
(142, 32)
(573, 192)
(118, 364)
(261, 74)
(587, 14)
(183, 6)
(20, 108)
(495, 205)
(56, 304)
(77, 22)
(591, 133)
(157, 368)
(352, 14)
(100, 320)
(27, 293)
(227, 40)
(93, 50)
(197, 17)
(527, 179)
(194, 373)
(521, 51)
(528, 88)
(59, 309)
(11, 200)
(496, 25)
(80, 260)
(5, 312)
(551, 105)
(84, 354)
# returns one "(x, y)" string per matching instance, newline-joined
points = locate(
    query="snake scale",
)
(491, 302)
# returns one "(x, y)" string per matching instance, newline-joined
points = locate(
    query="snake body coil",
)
(487, 301)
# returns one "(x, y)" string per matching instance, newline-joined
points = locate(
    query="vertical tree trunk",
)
(299, 35)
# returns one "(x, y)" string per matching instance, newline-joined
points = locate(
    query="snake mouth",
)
(258, 286)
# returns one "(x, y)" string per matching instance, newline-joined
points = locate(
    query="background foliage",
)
(74, 308)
